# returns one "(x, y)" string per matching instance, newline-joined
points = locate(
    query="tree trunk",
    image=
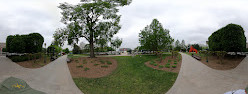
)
(92, 55)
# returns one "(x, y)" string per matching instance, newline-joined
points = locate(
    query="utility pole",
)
(45, 54)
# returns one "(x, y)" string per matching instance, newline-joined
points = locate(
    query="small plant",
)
(152, 63)
(109, 63)
(104, 66)
(76, 61)
(155, 64)
(96, 64)
(175, 63)
(169, 61)
(86, 69)
(84, 62)
(102, 62)
(80, 66)
(167, 66)
(174, 66)
(160, 66)
(91, 61)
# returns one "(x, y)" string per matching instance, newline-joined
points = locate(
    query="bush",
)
(167, 66)
(174, 66)
(152, 63)
(175, 63)
(96, 64)
(109, 63)
(160, 66)
(104, 66)
(169, 61)
(80, 66)
(230, 38)
(102, 62)
(86, 69)
(155, 64)
(17, 58)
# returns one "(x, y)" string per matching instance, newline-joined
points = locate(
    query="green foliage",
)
(169, 60)
(152, 63)
(175, 63)
(167, 63)
(116, 43)
(230, 38)
(31, 43)
(56, 48)
(155, 64)
(197, 47)
(66, 50)
(80, 66)
(76, 49)
(96, 64)
(154, 37)
(104, 66)
(102, 62)
(4, 50)
(160, 66)
(109, 62)
(96, 21)
(167, 66)
(174, 66)
(25, 57)
(86, 69)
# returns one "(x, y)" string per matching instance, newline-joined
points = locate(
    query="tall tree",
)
(154, 37)
(91, 20)
(183, 44)
(116, 43)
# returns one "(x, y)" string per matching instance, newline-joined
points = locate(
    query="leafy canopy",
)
(154, 37)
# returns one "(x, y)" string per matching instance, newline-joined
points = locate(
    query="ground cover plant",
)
(92, 67)
(131, 77)
(169, 63)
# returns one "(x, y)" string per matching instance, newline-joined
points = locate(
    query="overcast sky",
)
(191, 20)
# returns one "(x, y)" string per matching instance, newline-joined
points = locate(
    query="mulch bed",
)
(164, 62)
(227, 63)
(92, 67)
(34, 64)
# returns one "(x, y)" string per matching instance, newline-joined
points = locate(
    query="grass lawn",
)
(132, 76)
(77, 55)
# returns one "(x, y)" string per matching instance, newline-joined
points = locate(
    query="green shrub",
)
(152, 63)
(109, 63)
(104, 66)
(169, 61)
(160, 66)
(174, 66)
(85, 69)
(167, 66)
(96, 64)
(80, 66)
(175, 63)
(102, 62)
(155, 64)
(84, 61)
(76, 61)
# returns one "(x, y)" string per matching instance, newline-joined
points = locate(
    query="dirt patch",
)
(166, 64)
(227, 63)
(34, 63)
(92, 67)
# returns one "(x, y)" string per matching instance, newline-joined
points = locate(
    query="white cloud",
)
(191, 20)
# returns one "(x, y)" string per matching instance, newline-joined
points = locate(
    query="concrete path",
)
(54, 78)
(197, 78)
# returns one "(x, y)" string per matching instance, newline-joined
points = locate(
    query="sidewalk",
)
(54, 78)
(197, 78)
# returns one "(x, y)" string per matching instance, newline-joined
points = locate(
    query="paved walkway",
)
(197, 78)
(54, 78)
